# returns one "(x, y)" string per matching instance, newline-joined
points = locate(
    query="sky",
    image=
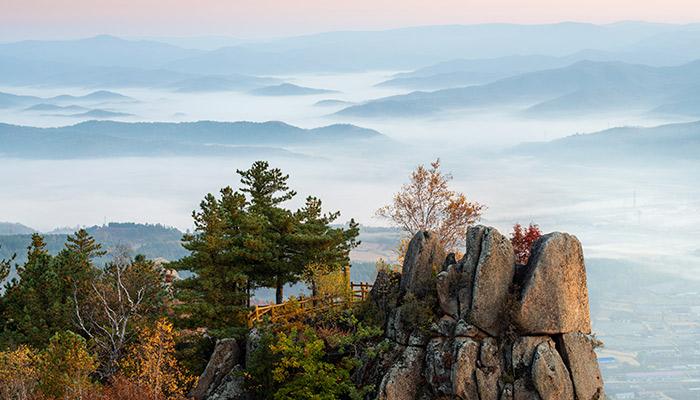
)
(44, 19)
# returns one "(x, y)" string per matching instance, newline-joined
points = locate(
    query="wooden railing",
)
(309, 305)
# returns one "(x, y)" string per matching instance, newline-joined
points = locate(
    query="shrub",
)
(18, 373)
(65, 367)
(418, 314)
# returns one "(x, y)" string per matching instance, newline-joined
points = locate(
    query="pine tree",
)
(216, 297)
(38, 304)
(42, 301)
(267, 189)
(319, 248)
(6, 266)
(242, 243)
(84, 244)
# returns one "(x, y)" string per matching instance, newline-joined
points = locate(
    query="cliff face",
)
(507, 331)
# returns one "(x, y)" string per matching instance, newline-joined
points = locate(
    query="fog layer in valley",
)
(596, 202)
(472, 101)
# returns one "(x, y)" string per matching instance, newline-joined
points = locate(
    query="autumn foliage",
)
(151, 363)
(522, 239)
(426, 203)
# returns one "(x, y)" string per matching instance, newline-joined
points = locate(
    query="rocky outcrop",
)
(549, 374)
(385, 291)
(498, 334)
(402, 381)
(424, 256)
(493, 278)
(217, 382)
(554, 295)
(481, 328)
(577, 352)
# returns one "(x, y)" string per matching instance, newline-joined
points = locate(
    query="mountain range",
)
(583, 87)
(110, 62)
(97, 139)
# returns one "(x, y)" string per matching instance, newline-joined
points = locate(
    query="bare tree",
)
(124, 295)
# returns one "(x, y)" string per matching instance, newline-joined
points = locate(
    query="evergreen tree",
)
(6, 266)
(320, 248)
(38, 304)
(243, 243)
(84, 245)
(42, 301)
(216, 297)
(267, 188)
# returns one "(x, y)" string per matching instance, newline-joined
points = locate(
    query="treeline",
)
(72, 330)
(151, 240)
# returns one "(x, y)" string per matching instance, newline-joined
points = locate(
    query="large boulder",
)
(424, 256)
(226, 356)
(402, 381)
(549, 374)
(232, 387)
(493, 276)
(554, 297)
(577, 352)
(396, 328)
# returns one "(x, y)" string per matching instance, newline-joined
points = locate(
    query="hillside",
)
(150, 240)
(395, 49)
(103, 50)
(9, 228)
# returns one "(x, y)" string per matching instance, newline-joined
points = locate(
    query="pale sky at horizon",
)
(45, 19)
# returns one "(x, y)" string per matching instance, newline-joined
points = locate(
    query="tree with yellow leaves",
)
(426, 203)
(18, 373)
(65, 367)
(151, 363)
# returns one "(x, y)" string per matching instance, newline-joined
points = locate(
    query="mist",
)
(645, 211)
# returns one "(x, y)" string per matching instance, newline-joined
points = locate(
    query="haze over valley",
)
(340, 113)
(580, 128)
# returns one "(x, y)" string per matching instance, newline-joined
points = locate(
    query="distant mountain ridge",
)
(96, 139)
(585, 86)
(14, 228)
(672, 142)
(147, 239)
(345, 51)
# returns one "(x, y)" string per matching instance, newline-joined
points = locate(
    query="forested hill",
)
(149, 240)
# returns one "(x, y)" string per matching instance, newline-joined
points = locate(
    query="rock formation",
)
(507, 331)
(481, 328)
(219, 380)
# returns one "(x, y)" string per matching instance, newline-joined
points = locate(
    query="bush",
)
(18, 373)
(65, 367)
(419, 314)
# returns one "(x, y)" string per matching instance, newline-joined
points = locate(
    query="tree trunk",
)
(279, 293)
